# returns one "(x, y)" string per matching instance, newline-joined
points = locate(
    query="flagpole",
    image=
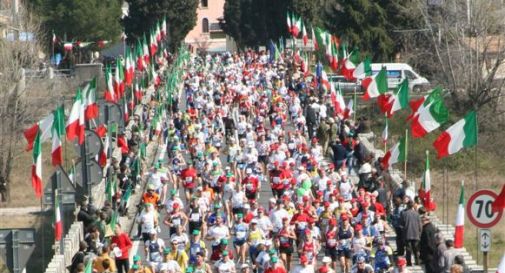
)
(406, 153)
(355, 105)
(386, 139)
(52, 46)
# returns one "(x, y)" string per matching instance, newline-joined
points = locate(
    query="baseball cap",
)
(326, 259)
(190, 269)
(196, 232)
(274, 259)
(173, 191)
(401, 261)
(166, 250)
(225, 253)
(136, 258)
(361, 259)
(303, 259)
(224, 241)
(323, 269)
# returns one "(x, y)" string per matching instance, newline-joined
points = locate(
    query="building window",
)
(205, 25)
(205, 3)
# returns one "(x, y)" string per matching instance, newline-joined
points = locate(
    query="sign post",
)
(480, 213)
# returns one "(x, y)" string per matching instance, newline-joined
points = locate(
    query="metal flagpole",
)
(406, 152)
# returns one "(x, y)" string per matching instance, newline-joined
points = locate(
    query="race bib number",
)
(195, 217)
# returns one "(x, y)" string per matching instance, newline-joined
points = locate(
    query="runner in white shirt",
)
(225, 265)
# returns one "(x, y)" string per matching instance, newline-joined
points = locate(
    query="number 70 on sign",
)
(479, 209)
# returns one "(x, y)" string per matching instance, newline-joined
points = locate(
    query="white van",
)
(397, 72)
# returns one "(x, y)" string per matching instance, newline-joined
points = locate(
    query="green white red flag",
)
(305, 36)
(459, 233)
(462, 134)
(349, 109)
(314, 40)
(296, 26)
(289, 23)
(90, 106)
(58, 131)
(398, 153)
(397, 101)
(110, 94)
(337, 99)
(375, 85)
(385, 133)
(164, 28)
(44, 126)
(350, 64)
(58, 224)
(75, 124)
(425, 190)
(363, 69)
(428, 114)
(140, 56)
(37, 165)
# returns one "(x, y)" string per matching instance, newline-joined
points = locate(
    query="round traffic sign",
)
(479, 209)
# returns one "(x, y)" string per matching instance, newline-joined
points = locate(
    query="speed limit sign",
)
(479, 209)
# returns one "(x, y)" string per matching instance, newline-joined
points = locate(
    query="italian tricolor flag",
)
(296, 27)
(37, 165)
(145, 51)
(375, 85)
(288, 22)
(140, 56)
(349, 109)
(429, 115)
(325, 83)
(58, 224)
(314, 40)
(110, 96)
(164, 28)
(91, 108)
(397, 153)
(462, 134)
(58, 131)
(425, 190)
(75, 124)
(460, 220)
(385, 133)
(338, 101)
(399, 100)
(51, 127)
(350, 64)
(305, 36)
(362, 69)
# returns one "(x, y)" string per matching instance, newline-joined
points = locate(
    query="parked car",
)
(345, 85)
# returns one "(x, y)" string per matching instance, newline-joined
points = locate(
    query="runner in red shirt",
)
(251, 185)
(188, 178)
(276, 180)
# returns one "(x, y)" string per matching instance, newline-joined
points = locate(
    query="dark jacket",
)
(411, 225)
(428, 243)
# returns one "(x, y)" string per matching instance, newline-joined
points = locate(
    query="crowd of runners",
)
(259, 174)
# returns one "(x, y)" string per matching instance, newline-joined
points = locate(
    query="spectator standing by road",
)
(411, 226)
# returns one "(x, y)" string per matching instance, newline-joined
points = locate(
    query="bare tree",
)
(17, 105)
(463, 44)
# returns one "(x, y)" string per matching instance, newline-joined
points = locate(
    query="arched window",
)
(205, 3)
(205, 25)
